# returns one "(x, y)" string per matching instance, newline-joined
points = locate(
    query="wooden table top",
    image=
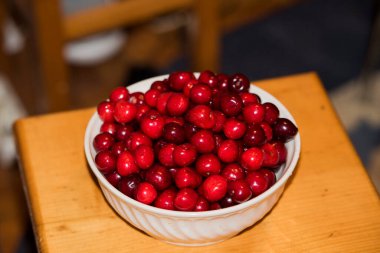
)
(329, 205)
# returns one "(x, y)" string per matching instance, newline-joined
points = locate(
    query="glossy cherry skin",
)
(103, 141)
(105, 111)
(200, 94)
(201, 205)
(220, 119)
(226, 201)
(128, 185)
(283, 152)
(165, 199)
(231, 104)
(239, 190)
(178, 80)
(126, 164)
(208, 164)
(186, 199)
(214, 188)
(271, 112)
(184, 154)
(228, 151)
(124, 131)
(187, 178)
(114, 179)
(223, 81)
(118, 148)
(174, 132)
(165, 155)
(232, 172)
(271, 155)
(162, 101)
(136, 139)
(109, 127)
(119, 93)
(136, 98)
(160, 85)
(269, 175)
(249, 98)
(124, 111)
(209, 78)
(151, 97)
(105, 161)
(239, 83)
(254, 136)
(234, 129)
(159, 176)
(252, 159)
(177, 104)
(152, 124)
(203, 141)
(284, 129)
(146, 193)
(144, 156)
(257, 182)
(201, 116)
(254, 113)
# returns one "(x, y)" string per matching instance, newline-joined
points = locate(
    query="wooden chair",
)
(53, 30)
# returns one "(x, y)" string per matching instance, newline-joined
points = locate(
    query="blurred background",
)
(63, 55)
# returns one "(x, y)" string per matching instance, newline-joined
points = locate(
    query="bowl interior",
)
(282, 173)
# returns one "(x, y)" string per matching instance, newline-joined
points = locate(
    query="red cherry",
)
(201, 116)
(124, 111)
(239, 83)
(271, 155)
(252, 159)
(254, 113)
(126, 164)
(186, 199)
(103, 141)
(152, 124)
(160, 85)
(226, 201)
(239, 190)
(200, 94)
(255, 136)
(119, 93)
(234, 129)
(187, 178)
(283, 152)
(232, 172)
(208, 164)
(267, 130)
(118, 148)
(151, 97)
(204, 141)
(146, 193)
(174, 132)
(109, 127)
(271, 112)
(114, 179)
(177, 104)
(184, 154)
(201, 205)
(159, 177)
(165, 199)
(123, 132)
(165, 155)
(214, 188)
(105, 161)
(178, 80)
(144, 156)
(136, 139)
(162, 101)
(105, 111)
(223, 81)
(136, 98)
(284, 129)
(231, 104)
(220, 119)
(128, 185)
(269, 175)
(228, 151)
(249, 98)
(257, 182)
(209, 78)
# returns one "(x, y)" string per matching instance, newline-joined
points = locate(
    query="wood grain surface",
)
(329, 205)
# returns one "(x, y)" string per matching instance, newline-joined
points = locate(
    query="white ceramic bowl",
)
(194, 228)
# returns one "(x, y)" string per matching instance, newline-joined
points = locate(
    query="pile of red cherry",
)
(191, 143)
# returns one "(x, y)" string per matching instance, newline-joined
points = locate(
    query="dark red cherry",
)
(284, 129)
(239, 83)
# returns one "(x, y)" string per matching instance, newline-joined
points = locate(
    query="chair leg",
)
(206, 36)
(49, 41)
